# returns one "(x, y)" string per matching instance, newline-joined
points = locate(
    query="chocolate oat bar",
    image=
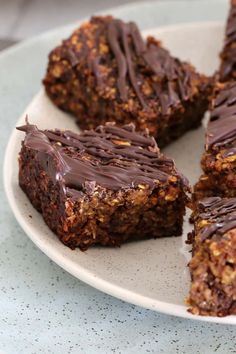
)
(213, 265)
(104, 186)
(219, 158)
(228, 55)
(106, 71)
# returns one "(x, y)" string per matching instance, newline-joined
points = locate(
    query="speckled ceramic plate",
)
(152, 273)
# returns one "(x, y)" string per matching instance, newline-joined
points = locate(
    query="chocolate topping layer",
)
(109, 156)
(222, 126)
(136, 59)
(125, 41)
(230, 37)
(231, 27)
(220, 215)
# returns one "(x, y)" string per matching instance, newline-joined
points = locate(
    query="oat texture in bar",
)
(104, 186)
(213, 265)
(219, 158)
(106, 71)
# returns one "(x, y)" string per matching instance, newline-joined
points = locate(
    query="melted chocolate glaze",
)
(230, 37)
(220, 214)
(109, 156)
(135, 59)
(125, 41)
(222, 125)
(230, 28)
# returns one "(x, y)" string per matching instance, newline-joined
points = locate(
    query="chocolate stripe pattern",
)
(112, 157)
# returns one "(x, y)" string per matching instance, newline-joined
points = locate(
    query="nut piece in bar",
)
(213, 265)
(103, 186)
(106, 71)
(219, 158)
(228, 54)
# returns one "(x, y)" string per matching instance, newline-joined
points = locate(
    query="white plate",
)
(151, 273)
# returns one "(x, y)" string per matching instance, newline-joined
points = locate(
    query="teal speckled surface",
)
(44, 309)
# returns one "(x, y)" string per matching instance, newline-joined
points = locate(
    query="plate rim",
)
(78, 271)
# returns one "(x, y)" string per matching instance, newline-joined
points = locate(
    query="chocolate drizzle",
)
(69, 55)
(231, 27)
(109, 156)
(129, 48)
(229, 51)
(132, 68)
(220, 215)
(222, 126)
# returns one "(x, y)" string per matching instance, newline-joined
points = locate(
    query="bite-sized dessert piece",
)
(213, 266)
(104, 186)
(105, 71)
(228, 55)
(219, 158)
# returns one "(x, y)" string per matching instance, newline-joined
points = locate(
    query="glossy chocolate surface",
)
(220, 214)
(111, 157)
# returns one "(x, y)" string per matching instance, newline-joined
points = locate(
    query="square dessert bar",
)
(103, 186)
(213, 265)
(219, 158)
(106, 71)
(228, 55)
